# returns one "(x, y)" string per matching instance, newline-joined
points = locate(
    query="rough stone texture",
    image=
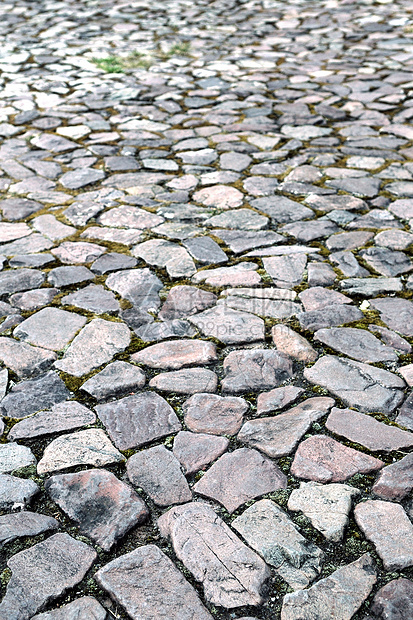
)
(289, 342)
(24, 524)
(394, 601)
(94, 298)
(326, 505)
(50, 328)
(16, 492)
(336, 597)
(232, 575)
(13, 457)
(270, 532)
(21, 280)
(188, 381)
(323, 459)
(396, 313)
(367, 431)
(116, 379)
(24, 359)
(101, 340)
(183, 301)
(329, 316)
(176, 354)
(279, 435)
(277, 398)
(27, 397)
(395, 481)
(197, 450)
(256, 369)
(135, 420)
(240, 476)
(88, 447)
(62, 417)
(84, 608)
(389, 529)
(104, 507)
(229, 326)
(210, 413)
(42, 573)
(358, 385)
(158, 472)
(356, 343)
(148, 585)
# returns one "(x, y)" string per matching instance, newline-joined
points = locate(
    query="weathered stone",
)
(367, 431)
(270, 532)
(323, 459)
(318, 297)
(187, 381)
(371, 286)
(101, 339)
(356, 343)
(205, 251)
(277, 399)
(395, 481)
(209, 413)
(249, 370)
(219, 196)
(396, 313)
(27, 397)
(24, 524)
(104, 507)
(197, 450)
(176, 354)
(31, 300)
(88, 447)
(62, 417)
(50, 328)
(389, 529)
(387, 262)
(240, 476)
(112, 262)
(326, 505)
(160, 330)
(116, 379)
(329, 316)
(19, 208)
(279, 435)
(241, 274)
(84, 608)
(138, 581)
(258, 304)
(289, 342)
(13, 457)
(229, 326)
(161, 253)
(358, 385)
(65, 276)
(183, 301)
(138, 419)
(394, 601)
(20, 280)
(349, 241)
(93, 298)
(70, 252)
(42, 573)
(76, 179)
(320, 274)
(240, 241)
(286, 271)
(139, 286)
(232, 575)
(337, 597)
(16, 492)
(158, 472)
(24, 359)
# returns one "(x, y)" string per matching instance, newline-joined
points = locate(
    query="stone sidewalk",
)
(207, 319)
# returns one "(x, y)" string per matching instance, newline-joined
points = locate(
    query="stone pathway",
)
(206, 311)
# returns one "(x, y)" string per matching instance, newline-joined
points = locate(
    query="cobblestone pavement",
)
(207, 319)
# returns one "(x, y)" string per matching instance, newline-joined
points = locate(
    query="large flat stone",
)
(279, 435)
(95, 345)
(84, 608)
(394, 601)
(358, 385)
(249, 370)
(359, 344)
(13, 457)
(139, 286)
(395, 481)
(329, 316)
(186, 381)
(323, 459)
(24, 523)
(50, 328)
(16, 492)
(18, 280)
(232, 575)
(135, 420)
(116, 379)
(239, 476)
(104, 507)
(62, 417)
(337, 597)
(184, 300)
(270, 532)
(396, 313)
(176, 354)
(278, 398)
(210, 413)
(147, 584)
(197, 450)
(24, 359)
(228, 325)
(27, 397)
(42, 573)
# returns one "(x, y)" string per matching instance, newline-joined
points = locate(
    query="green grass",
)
(137, 60)
(179, 49)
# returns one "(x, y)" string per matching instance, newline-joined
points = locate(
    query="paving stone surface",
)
(24, 523)
(206, 224)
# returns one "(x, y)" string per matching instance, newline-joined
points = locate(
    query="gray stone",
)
(36, 298)
(205, 251)
(135, 420)
(84, 608)
(277, 399)
(184, 300)
(329, 316)
(326, 505)
(395, 481)
(396, 313)
(158, 472)
(62, 417)
(358, 385)
(138, 581)
(112, 262)
(239, 476)
(249, 370)
(292, 344)
(356, 343)
(94, 298)
(210, 413)
(394, 601)
(16, 492)
(161, 253)
(50, 328)
(366, 287)
(70, 252)
(232, 575)
(139, 286)
(104, 507)
(44, 572)
(387, 262)
(197, 450)
(79, 178)
(270, 532)
(318, 297)
(176, 354)
(229, 326)
(65, 276)
(160, 330)
(101, 339)
(337, 597)
(187, 381)
(24, 524)
(27, 397)
(20, 280)
(286, 271)
(240, 241)
(116, 379)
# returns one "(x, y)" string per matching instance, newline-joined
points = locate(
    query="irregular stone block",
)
(395, 481)
(249, 370)
(13, 456)
(27, 397)
(210, 413)
(23, 359)
(24, 524)
(116, 379)
(84, 608)
(289, 342)
(188, 381)
(394, 601)
(50, 328)
(229, 326)
(197, 450)
(356, 343)
(176, 354)
(277, 398)
(16, 492)
(62, 417)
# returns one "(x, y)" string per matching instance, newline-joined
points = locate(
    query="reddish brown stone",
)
(197, 450)
(209, 413)
(240, 476)
(248, 370)
(323, 459)
(84, 608)
(277, 398)
(176, 354)
(394, 601)
(395, 481)
(187, 381)
(289, 342)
